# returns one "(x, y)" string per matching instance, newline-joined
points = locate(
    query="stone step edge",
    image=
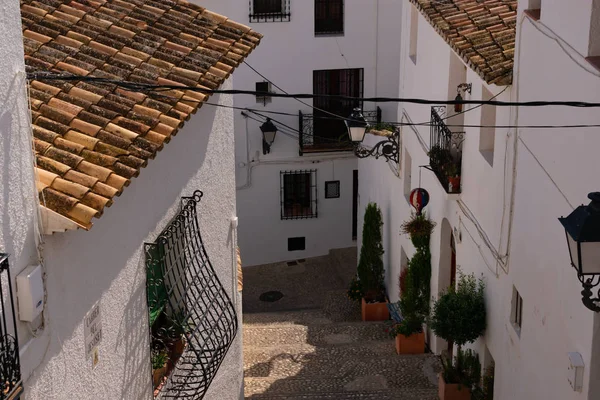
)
(276, 325)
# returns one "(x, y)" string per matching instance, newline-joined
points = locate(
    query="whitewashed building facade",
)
(93, 338)
(515, 181)
(299, 200)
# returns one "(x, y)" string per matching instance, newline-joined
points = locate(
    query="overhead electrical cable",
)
(142, 86)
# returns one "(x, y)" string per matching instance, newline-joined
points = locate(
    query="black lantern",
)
(269, 130)
(357, 126)
(582, 227)
(465, 87)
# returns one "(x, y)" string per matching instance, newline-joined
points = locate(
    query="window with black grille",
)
(298, 194)
(263, 90)
(269, 10)
(335, 82)
(329, 17)
(193, 321)
(332, 189)
(11, 386)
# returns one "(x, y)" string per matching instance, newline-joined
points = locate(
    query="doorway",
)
(354, 203)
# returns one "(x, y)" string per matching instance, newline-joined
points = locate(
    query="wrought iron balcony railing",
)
(322, 132)
(193, 320)
(10, 366)
(445, 154)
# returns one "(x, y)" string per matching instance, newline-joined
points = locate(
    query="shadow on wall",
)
(108, 263)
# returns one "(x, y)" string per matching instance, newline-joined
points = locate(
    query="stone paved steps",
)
(299, 317)
(323, 334)
(361, 395)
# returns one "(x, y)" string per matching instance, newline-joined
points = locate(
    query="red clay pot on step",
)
(452, 391)
(374, 311)
(413, 344)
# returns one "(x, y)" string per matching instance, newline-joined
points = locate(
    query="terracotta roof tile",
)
(92, 138)
(482, 32)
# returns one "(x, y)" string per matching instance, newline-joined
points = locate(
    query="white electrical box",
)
(576, 371)
(30, 293)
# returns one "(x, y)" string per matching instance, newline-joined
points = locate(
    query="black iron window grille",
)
(329, 17)
(270, 10)
(193, 320)
(10, 366)
(299, 194)
(445, 153)
(332, 189)
(318, 137)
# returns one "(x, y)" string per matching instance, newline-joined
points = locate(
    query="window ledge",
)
(329, 34)
(534, 13)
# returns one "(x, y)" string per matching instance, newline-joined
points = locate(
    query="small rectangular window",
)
(296, 244)
(329, 17)
(298, 194)
(263, 90)
(487, 135)
(332, 189)
(414, 31)
(517, 310)
(269, 10)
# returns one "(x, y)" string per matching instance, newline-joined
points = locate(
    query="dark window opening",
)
(263, 90)
(269, 10)
(340, 82)
(298, 194)
(296, 244)
(329, 17)
(332, 189)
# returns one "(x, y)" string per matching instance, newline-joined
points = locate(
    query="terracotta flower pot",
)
(374, 311)
(452, 391)
(158, 375)
(179, 347)
(413, 344)
(454, 184)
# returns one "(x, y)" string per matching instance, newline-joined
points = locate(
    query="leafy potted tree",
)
(160, 359)
(370, 267)
(459, 317)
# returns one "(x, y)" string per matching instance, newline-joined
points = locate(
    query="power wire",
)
(142, 86)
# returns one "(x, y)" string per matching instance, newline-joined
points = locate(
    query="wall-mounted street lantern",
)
(357, 128)
(465, 88)
(269, 130)
(582, 227)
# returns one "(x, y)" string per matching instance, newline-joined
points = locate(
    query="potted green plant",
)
(459, 316)
(414, 303)
(453, 174)
(419, 227)
(160, 360)
(465, 372)
(370, 267)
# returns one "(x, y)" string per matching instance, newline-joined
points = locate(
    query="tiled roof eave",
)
(504, 79)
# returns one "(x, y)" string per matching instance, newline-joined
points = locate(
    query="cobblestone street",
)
(311, 344)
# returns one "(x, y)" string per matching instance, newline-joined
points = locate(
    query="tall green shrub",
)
(370, 264)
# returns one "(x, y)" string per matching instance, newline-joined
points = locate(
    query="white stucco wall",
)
(288, 55)
(532, 364)
(19, 198)
(107, 264)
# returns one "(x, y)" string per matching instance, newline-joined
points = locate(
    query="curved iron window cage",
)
(445, 154)
(10, 367)
(193, 320)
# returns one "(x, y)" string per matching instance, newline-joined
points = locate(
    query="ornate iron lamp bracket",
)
(389, 149)
(590, 283)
